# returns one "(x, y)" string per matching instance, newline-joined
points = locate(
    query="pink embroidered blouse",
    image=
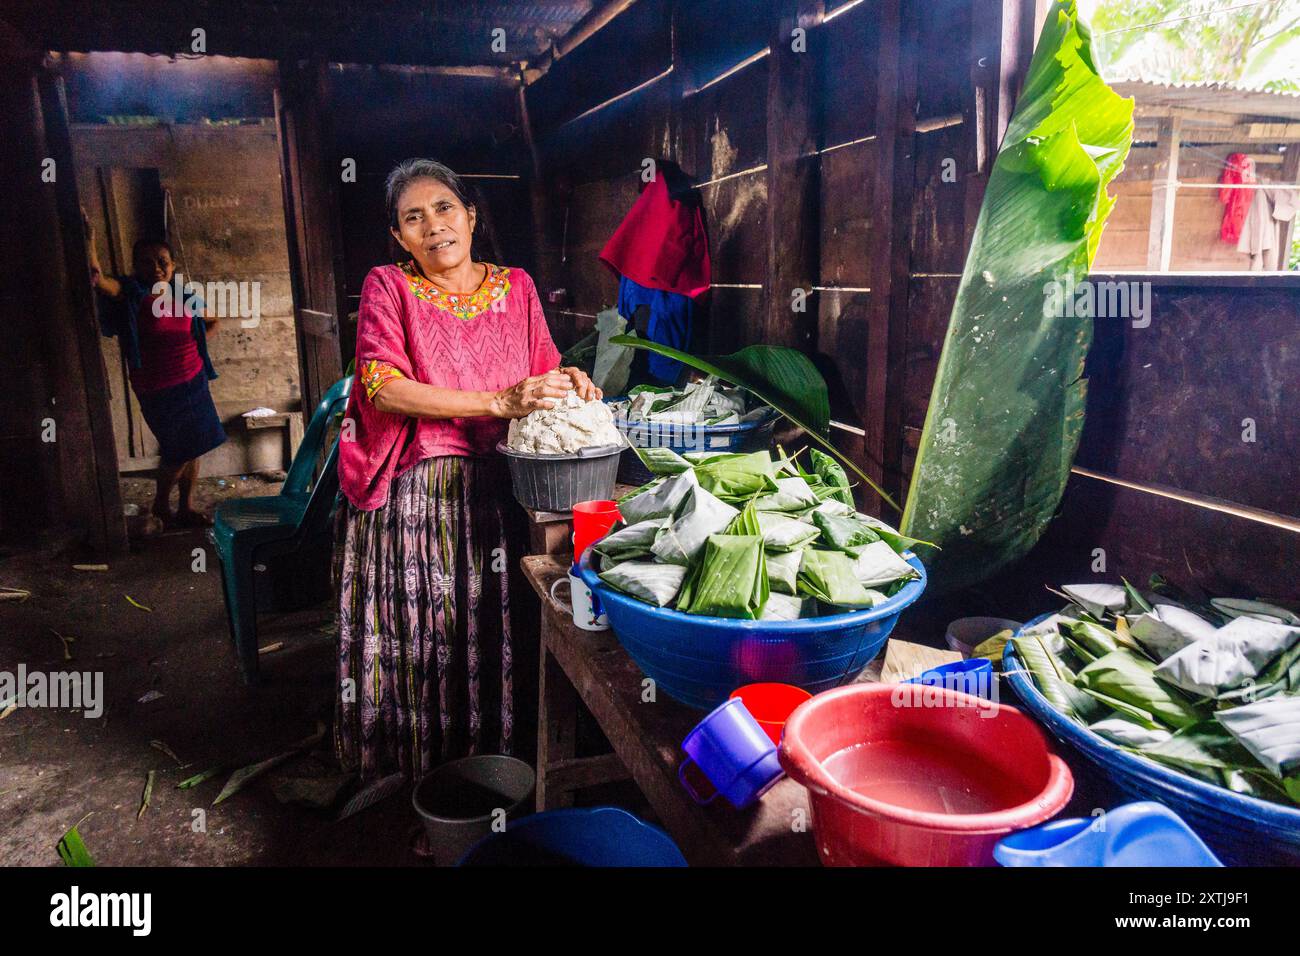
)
(485, 340)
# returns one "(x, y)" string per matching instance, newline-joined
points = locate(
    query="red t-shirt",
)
(169, 355)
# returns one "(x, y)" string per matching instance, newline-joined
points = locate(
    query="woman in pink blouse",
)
(448, 350)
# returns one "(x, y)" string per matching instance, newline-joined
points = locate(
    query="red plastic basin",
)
(910, 775)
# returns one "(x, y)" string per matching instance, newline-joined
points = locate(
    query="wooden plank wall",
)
(904, 94)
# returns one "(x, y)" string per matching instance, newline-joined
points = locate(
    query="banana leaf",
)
(784, 378)
(1168, 629)
(732, 578)
(828, 576)
(1261, 610)
(877, 565)
(1129, 733)
(1232, 657)
(1098, 640)
(783, 533)
(662, 461)
(1131, 679)
(784, 607)
(736, 477)
(746, 522)
(783, 571)
(698, 515)
(833, 476)
(72, 849)
(1006, 411)
(656, 499)
(896, 540)
(1049, 673)
(790, 494)
(1099, 600)
(630, 541)
(1269, 729)
(1202, 745)
(648, 581)
(844, 533)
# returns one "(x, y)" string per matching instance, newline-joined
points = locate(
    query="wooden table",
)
(647, 735)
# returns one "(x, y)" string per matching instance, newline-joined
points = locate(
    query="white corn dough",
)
(563, 430)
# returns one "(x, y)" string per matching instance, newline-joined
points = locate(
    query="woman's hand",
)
(534, 392)
(587, 391)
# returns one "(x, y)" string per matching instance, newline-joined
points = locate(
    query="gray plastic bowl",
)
(558, 482)
(459, 801)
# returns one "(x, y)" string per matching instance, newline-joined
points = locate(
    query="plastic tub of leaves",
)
(703, 417)
(1242, 830)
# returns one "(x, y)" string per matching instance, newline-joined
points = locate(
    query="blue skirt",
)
(183, 419)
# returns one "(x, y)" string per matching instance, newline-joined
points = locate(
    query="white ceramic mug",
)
(582, 604)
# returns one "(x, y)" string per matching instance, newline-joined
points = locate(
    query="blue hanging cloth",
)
(671, 315)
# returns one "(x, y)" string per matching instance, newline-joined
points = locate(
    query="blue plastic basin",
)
(592, 836)
(742, 437)
(1241, 830)
(700, 660)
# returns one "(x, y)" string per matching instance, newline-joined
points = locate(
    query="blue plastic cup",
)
(974, 676)
(734, 753)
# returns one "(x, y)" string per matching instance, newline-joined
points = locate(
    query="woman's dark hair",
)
(408, 171)
(141, 244)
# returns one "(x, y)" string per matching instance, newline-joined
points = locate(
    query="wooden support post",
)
(793, 217)
(84, 418)
(1287, 230)
(310, 182)
(1164, 191)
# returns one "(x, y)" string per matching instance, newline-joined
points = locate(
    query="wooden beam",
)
(793, 203)
(583, 30)
(1164, 191)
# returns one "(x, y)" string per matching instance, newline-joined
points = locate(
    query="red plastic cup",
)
(771, 704)
(591, 522)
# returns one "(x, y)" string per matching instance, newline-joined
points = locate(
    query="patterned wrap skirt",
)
(426, 657)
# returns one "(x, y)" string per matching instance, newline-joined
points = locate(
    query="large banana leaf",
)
(1007, 407)
(784, 378)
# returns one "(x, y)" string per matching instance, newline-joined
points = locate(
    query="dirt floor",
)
(59, 768)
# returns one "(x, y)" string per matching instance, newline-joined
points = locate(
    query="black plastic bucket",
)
(558, 482)
(459, 802)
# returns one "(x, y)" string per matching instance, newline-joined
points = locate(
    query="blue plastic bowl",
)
(591, 836)
(700, 660)
(742, 437)
(1242, 830)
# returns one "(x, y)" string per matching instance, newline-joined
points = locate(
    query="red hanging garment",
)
(1236, 202)
(661, 243)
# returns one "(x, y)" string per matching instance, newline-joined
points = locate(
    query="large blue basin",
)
(700, 660)
(1241, 830)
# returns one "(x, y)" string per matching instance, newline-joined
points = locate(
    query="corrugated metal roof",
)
(1250, 104)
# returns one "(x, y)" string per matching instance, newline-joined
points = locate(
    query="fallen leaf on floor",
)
(72, 850)
(198, 778)
(271, 648)
(159, 745)
(246, 775)
(368, 796)
(14, 594)
(148, 792)
(67, 644)
(134, 603)
(151, 696)
(7, 711)
(90, 567)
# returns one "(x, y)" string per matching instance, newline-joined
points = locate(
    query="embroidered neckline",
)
(463, 305)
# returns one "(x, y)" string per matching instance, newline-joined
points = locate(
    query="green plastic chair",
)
(297, 522)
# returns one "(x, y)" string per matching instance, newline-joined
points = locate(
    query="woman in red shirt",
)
(165, 346)
(448, 350)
